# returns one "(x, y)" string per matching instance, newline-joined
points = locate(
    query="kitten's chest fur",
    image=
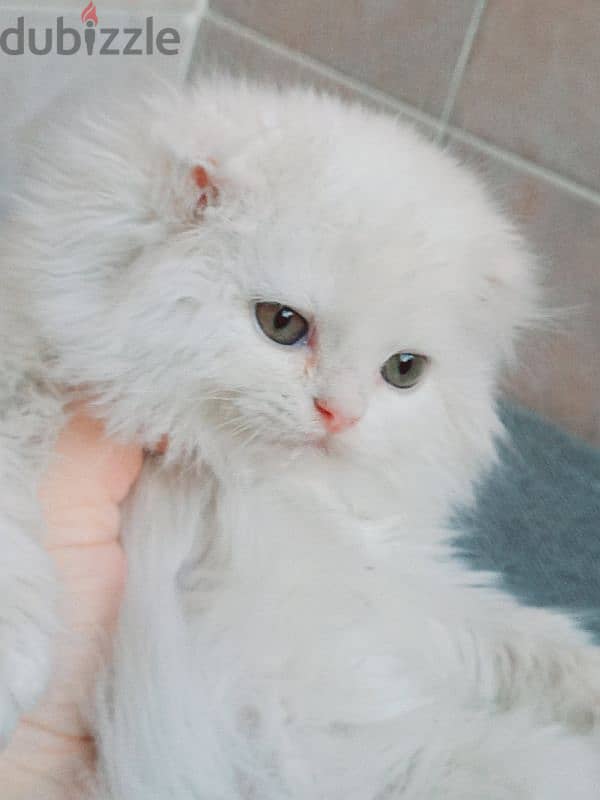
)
(274, 630)
(288, 595)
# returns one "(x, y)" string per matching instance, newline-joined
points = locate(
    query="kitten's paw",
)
(584, 713)
(574, 689)
(25, 658)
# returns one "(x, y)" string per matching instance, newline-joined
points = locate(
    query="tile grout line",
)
(405, 109)
(193, 19)
(460, 66)
(523, 165)
(325, 71)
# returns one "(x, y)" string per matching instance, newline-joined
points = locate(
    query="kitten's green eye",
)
(281, 323)
(403, 369)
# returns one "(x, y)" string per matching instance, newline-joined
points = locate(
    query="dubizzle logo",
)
(64, 41)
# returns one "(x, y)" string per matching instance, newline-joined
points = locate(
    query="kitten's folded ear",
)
(511, 293)
(208, 193)
(187, 191)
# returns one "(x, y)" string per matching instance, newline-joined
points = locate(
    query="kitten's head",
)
(273, 274)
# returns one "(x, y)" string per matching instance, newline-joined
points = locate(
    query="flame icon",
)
(89, 14)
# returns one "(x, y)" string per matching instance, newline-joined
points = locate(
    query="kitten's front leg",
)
(29, 421)
(27, 624)
(538, 658)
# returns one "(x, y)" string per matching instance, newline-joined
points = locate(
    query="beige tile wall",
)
(354, 37)
(533, 84)
(513, 88)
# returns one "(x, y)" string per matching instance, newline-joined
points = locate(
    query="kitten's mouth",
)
(323, 442)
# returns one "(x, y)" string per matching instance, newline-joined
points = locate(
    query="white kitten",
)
(241, 269)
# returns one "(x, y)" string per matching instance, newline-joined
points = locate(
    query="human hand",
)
(80, 496)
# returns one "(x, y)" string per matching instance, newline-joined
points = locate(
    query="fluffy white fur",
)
(294, 626)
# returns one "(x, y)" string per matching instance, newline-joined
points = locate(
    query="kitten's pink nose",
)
(334, 420)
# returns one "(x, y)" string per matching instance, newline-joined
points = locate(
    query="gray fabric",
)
(537, 519)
